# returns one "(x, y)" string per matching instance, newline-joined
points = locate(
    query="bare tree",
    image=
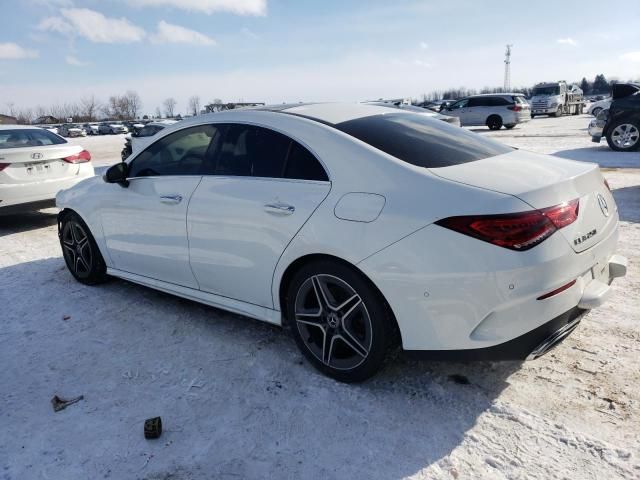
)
(89, 107)
(158, 113)
(169, 106)
(133, 104)
(194, 105)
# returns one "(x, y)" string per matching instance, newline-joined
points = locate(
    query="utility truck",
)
(557, 99)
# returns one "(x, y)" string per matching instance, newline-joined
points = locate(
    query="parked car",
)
(111, 128)
(51, 128)
(71, 130)
(91, 128)
(596, 107)
(359, 226)
(621, 122)
(492, 110)
(422, 111)
(136, 139)
(596, 125)
(35, 164)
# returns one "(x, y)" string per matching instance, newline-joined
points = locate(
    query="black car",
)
(622, 127)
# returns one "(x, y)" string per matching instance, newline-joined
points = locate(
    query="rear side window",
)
(301, 164)
(28, 137)
(422, 141)
(251, 151)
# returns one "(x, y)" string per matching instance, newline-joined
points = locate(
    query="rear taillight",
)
(81, 157)
(515, 108)
(515, 231)
(3, 166)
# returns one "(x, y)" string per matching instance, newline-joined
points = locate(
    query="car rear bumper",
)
(46, 189)
(528, 346)
(450, 292)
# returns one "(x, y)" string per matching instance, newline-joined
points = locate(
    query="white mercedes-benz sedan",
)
(358, 226)
(35, 164)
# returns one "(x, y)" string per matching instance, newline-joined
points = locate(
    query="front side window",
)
(460, 104)
(422, 141)
(181, 153)
(251, 151)
(28, 137)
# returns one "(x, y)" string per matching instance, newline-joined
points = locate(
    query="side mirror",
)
(117, 174)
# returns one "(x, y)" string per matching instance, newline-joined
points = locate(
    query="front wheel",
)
(624, 136)
(80, 251)
(596, 111)
(339, 321)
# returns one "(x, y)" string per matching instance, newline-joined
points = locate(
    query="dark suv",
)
(622, 123)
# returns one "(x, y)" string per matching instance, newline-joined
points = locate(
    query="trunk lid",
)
(34, 164)
(544, 181)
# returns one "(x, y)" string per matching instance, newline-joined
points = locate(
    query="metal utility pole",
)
(507, 69)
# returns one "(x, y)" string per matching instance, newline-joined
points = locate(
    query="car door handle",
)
(280, 208)
(171, 199)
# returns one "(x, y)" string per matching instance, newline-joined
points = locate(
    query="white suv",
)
(492, 110)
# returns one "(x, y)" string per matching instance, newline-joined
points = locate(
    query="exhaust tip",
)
(554, 339)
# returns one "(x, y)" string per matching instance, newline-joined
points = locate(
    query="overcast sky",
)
(54, 51)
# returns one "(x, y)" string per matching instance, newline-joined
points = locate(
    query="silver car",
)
(493, 110)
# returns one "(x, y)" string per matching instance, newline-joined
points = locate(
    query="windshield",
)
(28, 138)
(555, 90)
(421, 140)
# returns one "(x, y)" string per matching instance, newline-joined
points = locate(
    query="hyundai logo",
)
(603, 205)
(36, 156)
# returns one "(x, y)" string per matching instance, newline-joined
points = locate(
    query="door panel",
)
(239, 227)
(145, 227)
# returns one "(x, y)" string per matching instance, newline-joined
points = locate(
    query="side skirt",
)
(236, 306)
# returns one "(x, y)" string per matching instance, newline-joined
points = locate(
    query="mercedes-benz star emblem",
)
(603, 205)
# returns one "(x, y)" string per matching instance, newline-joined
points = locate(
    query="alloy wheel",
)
(76, 248)
(333, 322)
(625, 135)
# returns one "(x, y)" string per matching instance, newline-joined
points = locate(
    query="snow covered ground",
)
(238, 401)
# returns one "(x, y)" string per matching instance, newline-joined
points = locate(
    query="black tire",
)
(509, 127)
(80, 251)
(362, 330)
(558, 113)
(623, 127)
(532, 116)
(596, 111)
(494, 122)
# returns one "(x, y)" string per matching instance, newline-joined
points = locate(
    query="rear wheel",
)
(339, 321)
(80, 251)
(624, 136)
(494, 122)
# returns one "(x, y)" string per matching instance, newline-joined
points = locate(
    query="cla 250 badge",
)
(585, 237)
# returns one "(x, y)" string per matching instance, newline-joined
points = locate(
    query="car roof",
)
(329, 113)
(509, 94)
(19, 127)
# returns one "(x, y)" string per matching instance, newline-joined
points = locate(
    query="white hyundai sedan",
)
(35, 164)
(360, 227)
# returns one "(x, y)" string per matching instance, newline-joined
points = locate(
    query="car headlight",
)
(554, 104)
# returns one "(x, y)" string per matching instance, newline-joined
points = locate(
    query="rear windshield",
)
(422, 141)
(28, 138)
